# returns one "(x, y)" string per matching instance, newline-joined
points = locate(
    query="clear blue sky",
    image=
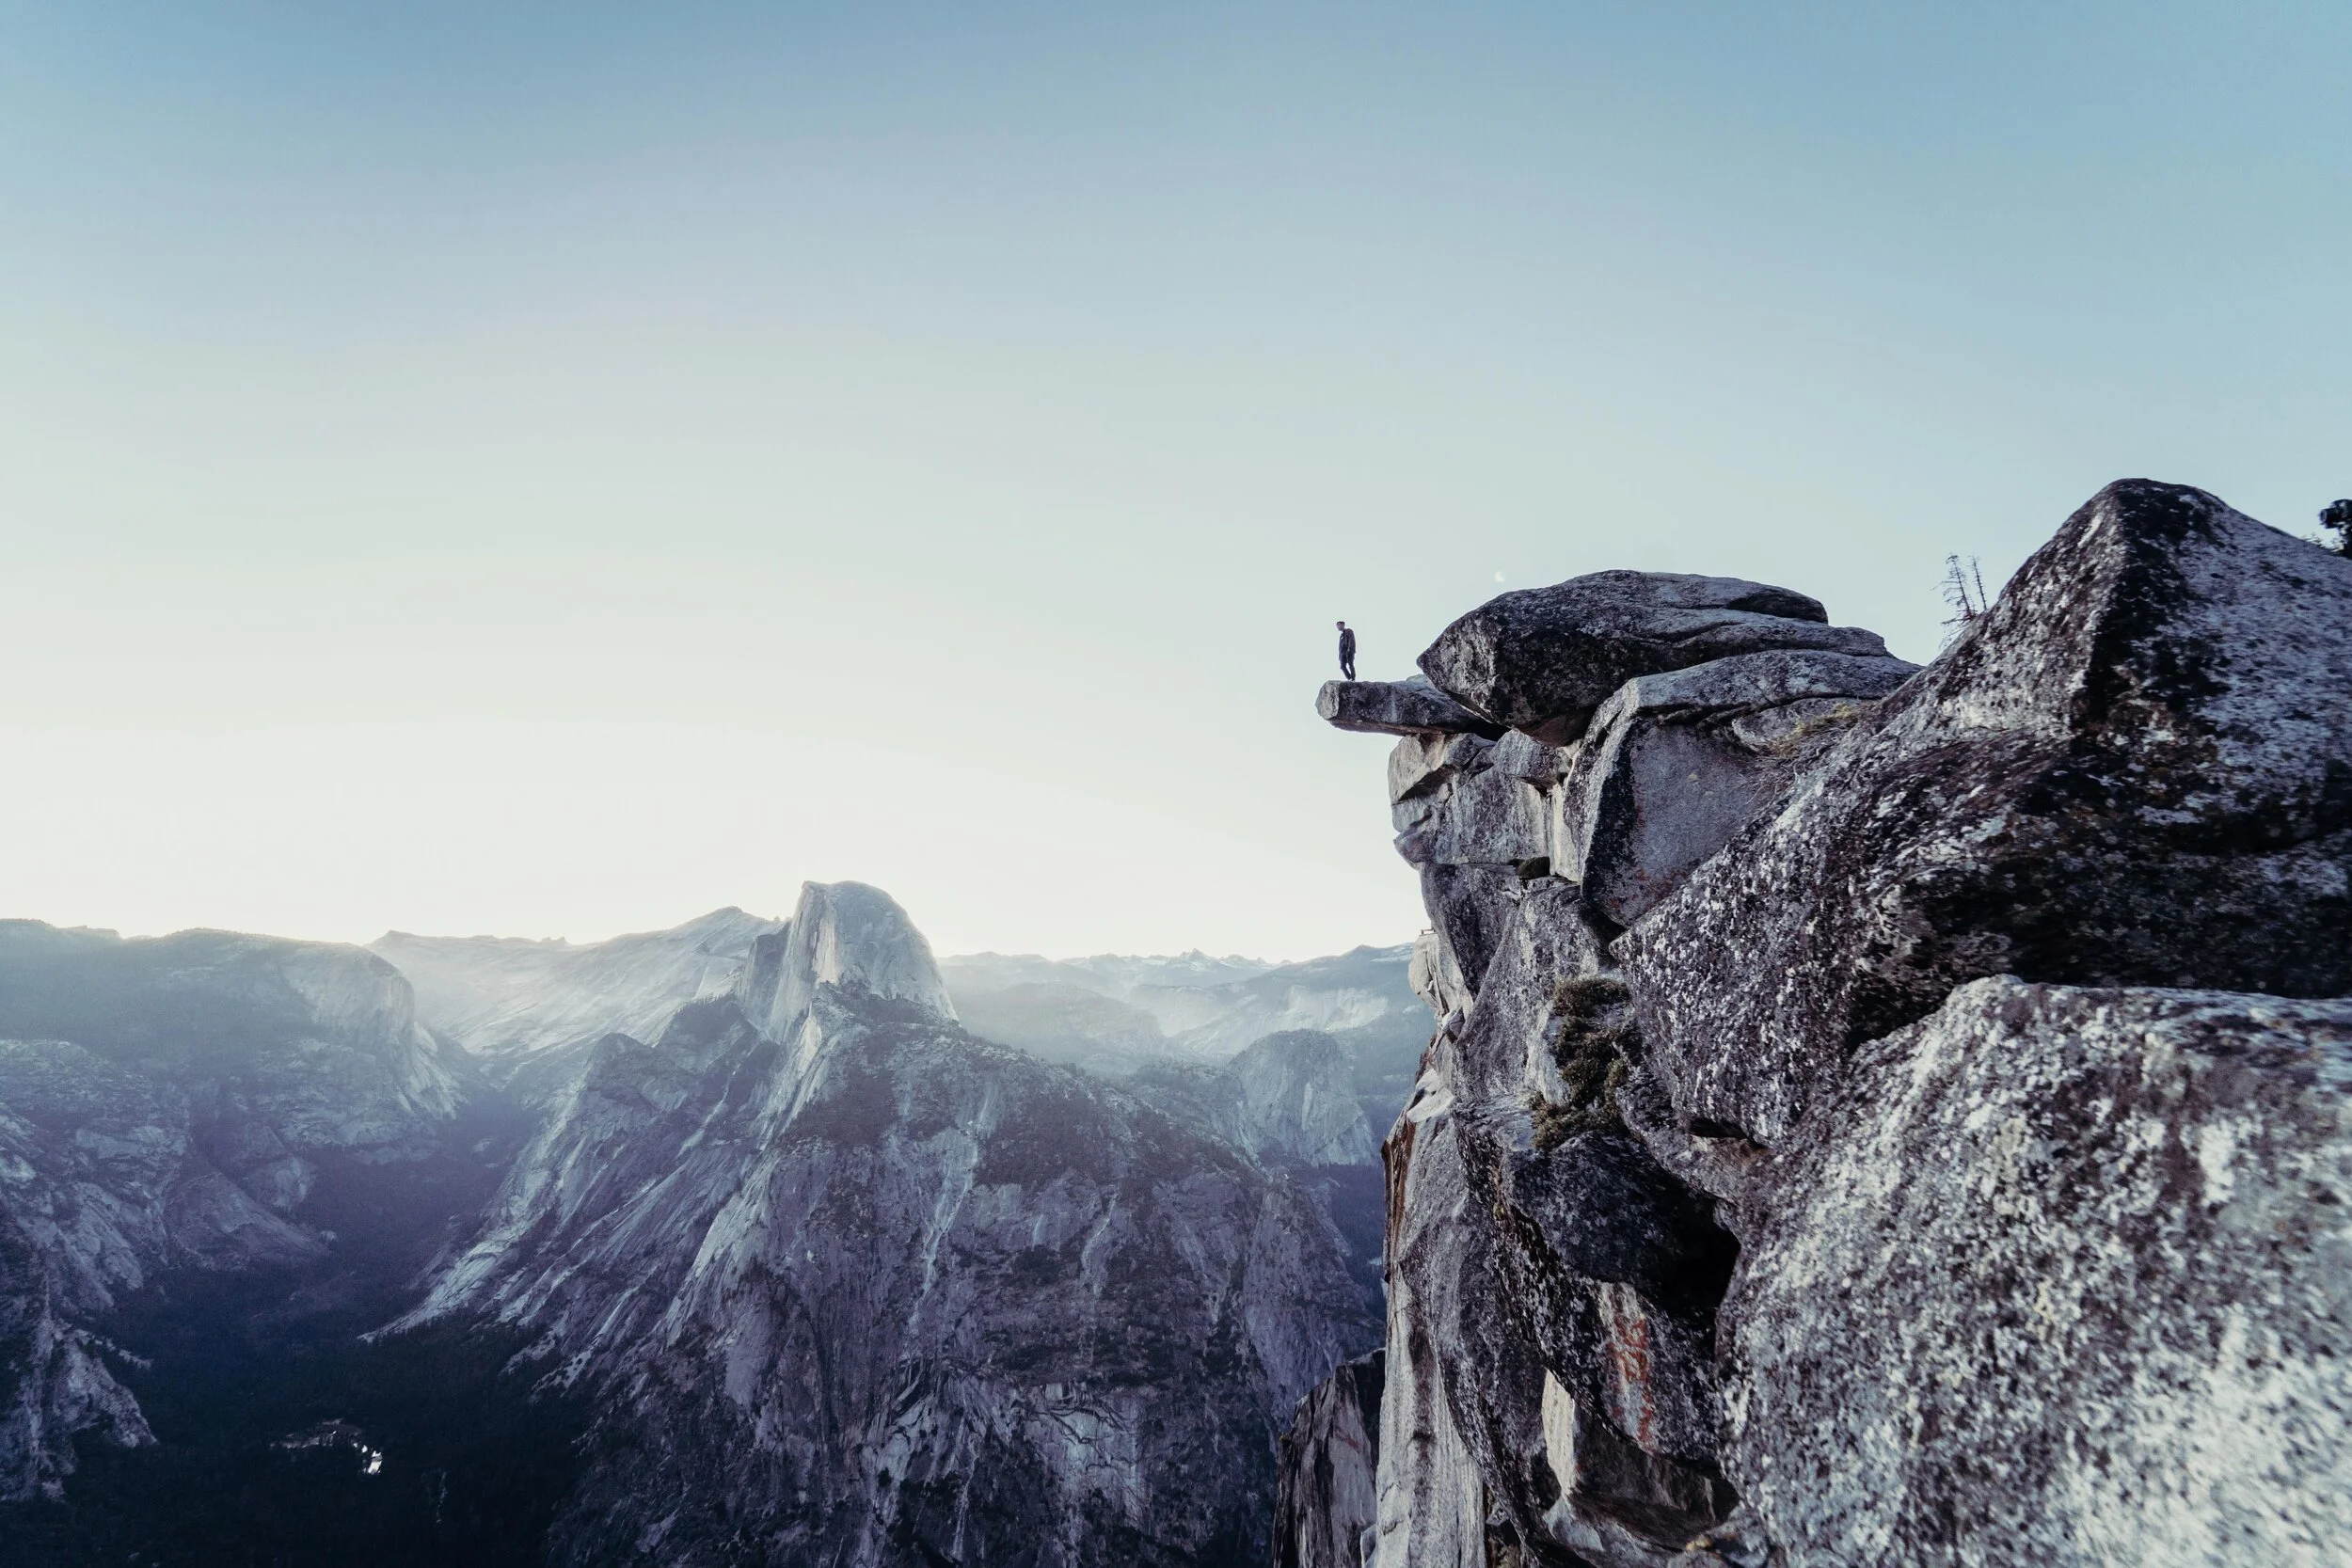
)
(559, 469)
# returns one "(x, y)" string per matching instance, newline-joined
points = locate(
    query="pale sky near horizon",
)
(557, 470)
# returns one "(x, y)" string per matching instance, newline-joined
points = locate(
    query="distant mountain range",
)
(524, 1009)
(733, 1241)
(509, 999)
(1117, 1015)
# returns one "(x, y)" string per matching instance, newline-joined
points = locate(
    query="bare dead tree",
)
(1963, 590)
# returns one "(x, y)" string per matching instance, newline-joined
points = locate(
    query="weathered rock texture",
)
(2069, 1269)
(848, 1286)
(2137, 769)
(1331, 1462)
(1815, 1162)
(1541, 659)
(1398, 707)
(1674, 764)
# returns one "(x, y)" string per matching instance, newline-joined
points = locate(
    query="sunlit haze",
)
(555, 470)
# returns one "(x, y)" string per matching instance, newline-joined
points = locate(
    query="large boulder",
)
(2134, 769)
(2060, 1277)
(1674, 764)
(1456, 800)
(1542, 659)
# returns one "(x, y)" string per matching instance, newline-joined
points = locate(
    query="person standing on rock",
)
(1347, 652)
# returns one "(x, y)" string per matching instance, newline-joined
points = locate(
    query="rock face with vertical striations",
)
(846, 1285)
(1881, 1116)
(1330, 1471)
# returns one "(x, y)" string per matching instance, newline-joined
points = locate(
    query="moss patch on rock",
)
(1597, 1032)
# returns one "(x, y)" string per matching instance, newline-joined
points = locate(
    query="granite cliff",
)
(803, 1272)
(194, 1106)
(1863, 1114)
(843, 1284)
(1874, 1115)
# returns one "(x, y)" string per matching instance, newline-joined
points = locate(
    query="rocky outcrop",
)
(1813, 1163)
(2136, 769)
(847, 1285)
(171, 1105)
(1542, 659)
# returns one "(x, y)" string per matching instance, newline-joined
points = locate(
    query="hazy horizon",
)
(554, 472)
(943, 956)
